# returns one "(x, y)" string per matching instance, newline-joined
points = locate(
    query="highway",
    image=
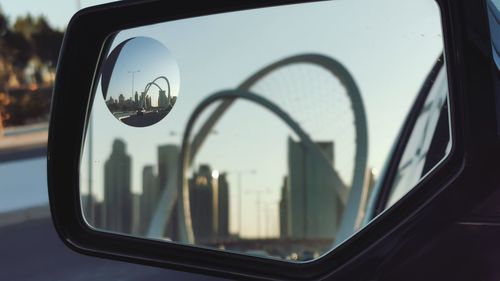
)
(148, 118)
(32, 251)
(29, 246)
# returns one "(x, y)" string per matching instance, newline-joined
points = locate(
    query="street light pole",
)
(133, 74)
(240, 194)
(258, 194)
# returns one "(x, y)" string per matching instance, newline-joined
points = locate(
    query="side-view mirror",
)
(274, 139)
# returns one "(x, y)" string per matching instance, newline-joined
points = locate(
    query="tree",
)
(47, 42)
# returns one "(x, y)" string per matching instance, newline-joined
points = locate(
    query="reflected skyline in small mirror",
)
(147, 67)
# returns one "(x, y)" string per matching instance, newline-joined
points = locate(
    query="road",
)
(29, 246)
(32, 251)
(148, 118)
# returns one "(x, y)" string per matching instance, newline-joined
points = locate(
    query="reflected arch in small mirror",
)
(140, 81)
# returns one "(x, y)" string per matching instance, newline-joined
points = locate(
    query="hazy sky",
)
(388, 46)
(57, 12)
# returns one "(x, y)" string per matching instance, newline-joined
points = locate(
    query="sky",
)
(388, 46)
(57, 12)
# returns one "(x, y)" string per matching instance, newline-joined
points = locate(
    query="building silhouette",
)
(284, 209)
(166, 152)
(149, 198)
(223, 212)
(136, 214)
(203, 197)
(121, 99)
(163, 101)
(117, 190)
(311, 205)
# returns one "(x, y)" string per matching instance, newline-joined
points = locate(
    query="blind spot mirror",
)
(140, 81)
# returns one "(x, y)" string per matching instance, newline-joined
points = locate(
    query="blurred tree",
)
(24, 25)
(4, 23)
(47, 42)
(29, 49)
(19, 49)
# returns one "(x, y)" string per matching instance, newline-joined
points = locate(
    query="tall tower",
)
(203, 198)
(163, 101)
(165, 170)
(284, 209)
(315, 205)
(223, 191)
(117, 189)
(149, 198)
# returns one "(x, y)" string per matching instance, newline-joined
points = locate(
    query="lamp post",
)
(133, 74)
(239, 175)
(258, 202)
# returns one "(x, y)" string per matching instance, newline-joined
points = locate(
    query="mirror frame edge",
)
(67, 215)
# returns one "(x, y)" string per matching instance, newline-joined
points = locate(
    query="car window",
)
(429, 141)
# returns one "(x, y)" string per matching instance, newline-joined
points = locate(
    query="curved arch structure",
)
(310, 146)
(148, 86)
(189, 150)
(146, 89)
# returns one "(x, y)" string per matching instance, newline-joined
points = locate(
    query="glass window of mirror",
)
(258, 132)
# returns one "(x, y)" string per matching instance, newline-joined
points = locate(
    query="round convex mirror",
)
(140, 81)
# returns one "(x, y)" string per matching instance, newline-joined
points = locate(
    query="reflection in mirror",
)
(273, 144)
(148, 64)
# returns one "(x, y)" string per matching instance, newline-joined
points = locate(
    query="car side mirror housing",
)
(242, 139)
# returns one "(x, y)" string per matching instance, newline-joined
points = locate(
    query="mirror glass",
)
(281, 122)
(151, 68)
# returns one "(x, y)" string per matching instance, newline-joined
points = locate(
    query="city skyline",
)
(207, 66)
(122, 210)
(312, 201)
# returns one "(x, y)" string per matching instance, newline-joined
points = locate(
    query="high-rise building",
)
(163, 101)
(223, 192)
(142, 99)
(167, 153)
(117, 189)
(203, 196)
(121, 99)
(136, 214)
(284, 209)
(149, 198)
(315, 190)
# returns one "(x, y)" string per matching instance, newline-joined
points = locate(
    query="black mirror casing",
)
(425, 214)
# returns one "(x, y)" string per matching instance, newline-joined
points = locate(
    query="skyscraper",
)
(136, 214)
(149, 198)
(203, 196)
(284, 209)
(165, 154)
(117, 190)
(315, 205)
(121, 99)
(163, 101)
(223, 192)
